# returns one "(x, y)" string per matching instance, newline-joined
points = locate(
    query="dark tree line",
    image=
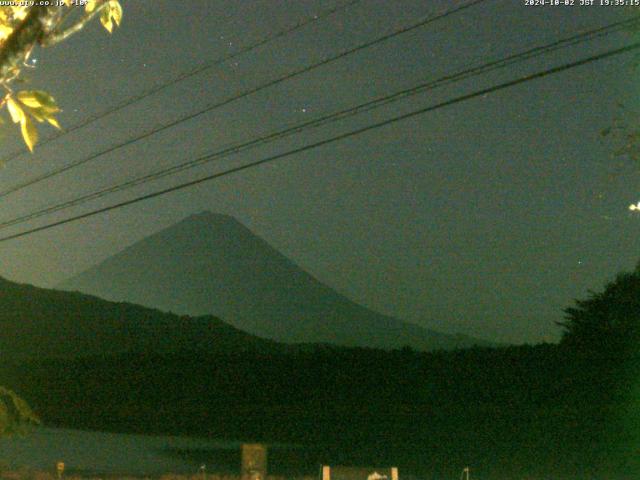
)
(608, 321)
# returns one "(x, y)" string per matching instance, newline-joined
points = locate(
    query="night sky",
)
(486, 217)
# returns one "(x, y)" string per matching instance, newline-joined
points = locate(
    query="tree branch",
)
(25, 36)
(55, 37)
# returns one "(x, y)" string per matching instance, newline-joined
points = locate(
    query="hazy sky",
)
(487, 217)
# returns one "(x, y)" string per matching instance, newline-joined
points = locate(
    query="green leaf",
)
(116, 11)
(42, 115)
(105, 19)
(38, 99)
(111, 13)
(15, 110)
(90, 6)
(39, 114)
(54, 122)
(29, 132)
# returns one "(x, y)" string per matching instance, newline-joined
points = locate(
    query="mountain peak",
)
(209, 216)
(210, 263)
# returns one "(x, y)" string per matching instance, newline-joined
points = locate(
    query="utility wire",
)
(238, 96)
(186, 75)
(330, 118)
(352, 133)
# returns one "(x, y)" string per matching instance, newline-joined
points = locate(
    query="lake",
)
(110, 453)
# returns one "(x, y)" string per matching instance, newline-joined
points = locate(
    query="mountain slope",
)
(37, 323)
(211, 264)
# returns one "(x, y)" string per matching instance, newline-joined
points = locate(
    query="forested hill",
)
(37, 323)
(520, 412)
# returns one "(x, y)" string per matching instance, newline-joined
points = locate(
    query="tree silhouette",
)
(608, 321)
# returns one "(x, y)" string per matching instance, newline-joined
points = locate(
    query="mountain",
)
(40, 323)
(212, 264)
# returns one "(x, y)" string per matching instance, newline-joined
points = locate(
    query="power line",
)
(352, 133)
(330, 118)
(186, 75)
(238, 96)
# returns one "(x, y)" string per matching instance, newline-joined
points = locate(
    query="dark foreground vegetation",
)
(507, 412)
(563, 411)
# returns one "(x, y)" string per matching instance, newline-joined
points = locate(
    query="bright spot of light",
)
(633, 207)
